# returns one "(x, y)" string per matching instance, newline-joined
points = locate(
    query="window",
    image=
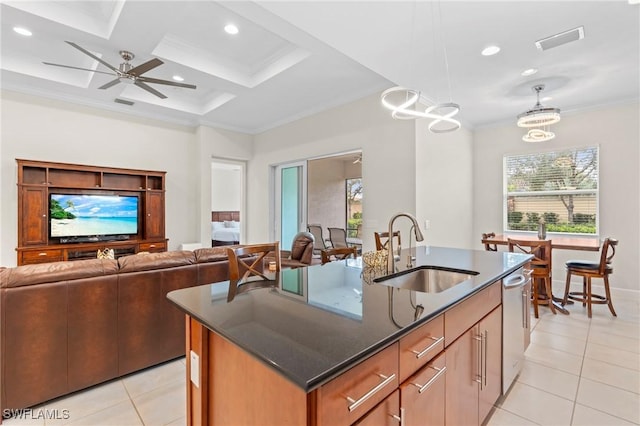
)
(559, 188)
(354, 207)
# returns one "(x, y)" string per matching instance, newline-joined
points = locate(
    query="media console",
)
(38, 179)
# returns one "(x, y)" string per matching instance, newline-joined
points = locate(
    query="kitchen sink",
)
(426, 279)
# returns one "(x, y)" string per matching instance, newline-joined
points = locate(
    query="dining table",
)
(558, 242)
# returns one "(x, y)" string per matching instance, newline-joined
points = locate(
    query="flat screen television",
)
(78, 215)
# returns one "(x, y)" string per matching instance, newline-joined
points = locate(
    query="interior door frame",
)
(276, 198)
(243, 193)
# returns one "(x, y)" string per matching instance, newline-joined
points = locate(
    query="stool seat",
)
(582, 264)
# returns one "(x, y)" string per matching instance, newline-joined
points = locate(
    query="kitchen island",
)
(329, 345)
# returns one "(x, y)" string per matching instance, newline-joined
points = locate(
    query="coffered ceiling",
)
(293, 59)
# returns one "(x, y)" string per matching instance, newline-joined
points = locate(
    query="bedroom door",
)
(290, 201)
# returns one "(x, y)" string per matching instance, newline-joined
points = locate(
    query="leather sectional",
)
(66, 326)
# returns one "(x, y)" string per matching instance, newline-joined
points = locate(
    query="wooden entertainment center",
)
(38, 179)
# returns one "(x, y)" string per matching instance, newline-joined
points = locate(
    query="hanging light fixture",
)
(404, 103)
(539, 116)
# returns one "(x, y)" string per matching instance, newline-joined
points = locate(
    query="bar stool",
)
(588, 270)
(487, 245)
(540, 267)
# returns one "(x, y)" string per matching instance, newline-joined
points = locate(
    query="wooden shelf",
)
(38, 179)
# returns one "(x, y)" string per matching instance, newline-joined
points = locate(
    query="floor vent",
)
(560, 39)
(122, 101)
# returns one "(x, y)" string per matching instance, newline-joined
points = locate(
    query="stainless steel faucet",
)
(419, 237)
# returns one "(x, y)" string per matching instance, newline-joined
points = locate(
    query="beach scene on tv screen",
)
(84, 215)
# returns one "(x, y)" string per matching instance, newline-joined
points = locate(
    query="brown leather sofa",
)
(65, 326)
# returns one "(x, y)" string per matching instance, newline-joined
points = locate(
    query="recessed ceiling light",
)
(22, 31)
(490, 50)
(178, 78)
(231, 29)
(530, 71)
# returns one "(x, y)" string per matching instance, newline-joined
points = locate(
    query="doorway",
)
(290, 201)
(227, 202)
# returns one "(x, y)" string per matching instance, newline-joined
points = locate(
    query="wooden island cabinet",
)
(37, 180)
(447, 371)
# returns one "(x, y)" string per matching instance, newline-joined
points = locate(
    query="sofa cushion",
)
(151, 261)
(56, 271)
(213, 254)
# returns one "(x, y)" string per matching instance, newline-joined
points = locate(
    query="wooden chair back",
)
(249, 260)
(339, 253)
(338, 237)
(487, 245)
(606, 255)
(382, 239)
(541, 251)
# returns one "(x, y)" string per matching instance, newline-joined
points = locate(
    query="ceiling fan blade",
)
(86, 52)
(110, 84)
(167, 82)
(147, 66)
(77, 68)
(149, 89)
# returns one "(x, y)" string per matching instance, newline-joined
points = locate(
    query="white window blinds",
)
(558, 187)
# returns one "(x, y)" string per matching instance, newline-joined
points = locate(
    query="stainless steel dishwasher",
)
(516, 289)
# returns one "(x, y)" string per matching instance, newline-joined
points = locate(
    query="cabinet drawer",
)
(423, 394)
(420, 346)
(387, 413)
(460, 318)
(152, 247)
(350, 395)
(41, 256)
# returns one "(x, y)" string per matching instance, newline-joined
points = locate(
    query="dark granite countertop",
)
(316, 322)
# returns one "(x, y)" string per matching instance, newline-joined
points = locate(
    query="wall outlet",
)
(195, 368)
(427, 222)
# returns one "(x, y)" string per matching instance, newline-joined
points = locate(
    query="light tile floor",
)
(577, 372)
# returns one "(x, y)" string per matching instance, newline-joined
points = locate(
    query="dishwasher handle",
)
(515, 281)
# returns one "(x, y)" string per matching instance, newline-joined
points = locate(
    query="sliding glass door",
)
(290, 201)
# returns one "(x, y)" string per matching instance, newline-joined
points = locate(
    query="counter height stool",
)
(382, 240)
(588, 270)
(540, 267)
(339, 253)
(487, 245)
(249, 261)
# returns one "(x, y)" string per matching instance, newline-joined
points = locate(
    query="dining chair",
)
(382, 240)
(338, 237)
(588, 270)
(246, 267)
(318, 244)
(489, 246)
(540, 267)
(339, 253)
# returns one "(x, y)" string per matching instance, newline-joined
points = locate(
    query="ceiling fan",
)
(127, 73)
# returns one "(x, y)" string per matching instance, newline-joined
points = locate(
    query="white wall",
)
(616, 130)
(444, 196)
(388, 170)
(36, 128)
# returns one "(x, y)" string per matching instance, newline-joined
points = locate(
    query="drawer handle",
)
(440, 372)
(42, 254)
(422, 353)
(355, 404)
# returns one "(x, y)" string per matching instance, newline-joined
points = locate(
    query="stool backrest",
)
(608, 251)
(487, 245)
(541, 251)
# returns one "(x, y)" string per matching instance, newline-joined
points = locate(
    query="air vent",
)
(122, 101)
(560, 39)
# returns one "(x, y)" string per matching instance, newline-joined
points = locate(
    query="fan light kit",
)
(127, 73)
(538, 119)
